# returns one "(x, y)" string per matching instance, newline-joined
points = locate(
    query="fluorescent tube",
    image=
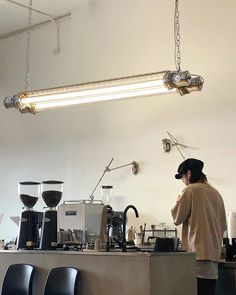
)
(113, 89)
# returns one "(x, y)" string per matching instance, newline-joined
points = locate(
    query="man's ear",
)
(189, 173)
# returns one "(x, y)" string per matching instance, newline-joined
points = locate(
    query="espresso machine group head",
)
(51, 193)
(30, 221)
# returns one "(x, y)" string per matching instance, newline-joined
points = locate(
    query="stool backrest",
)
(18, 280)
(62, 281)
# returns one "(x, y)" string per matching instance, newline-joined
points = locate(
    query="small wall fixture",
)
(135, 171)
(113, 89)
(168, 143)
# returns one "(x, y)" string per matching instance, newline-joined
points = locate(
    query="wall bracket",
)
(168, 143)
(135, 171)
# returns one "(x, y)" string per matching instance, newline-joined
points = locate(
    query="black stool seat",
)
(62, 281)
(18, 280)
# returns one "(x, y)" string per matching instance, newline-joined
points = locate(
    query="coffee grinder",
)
(29, 223)
(51, 193)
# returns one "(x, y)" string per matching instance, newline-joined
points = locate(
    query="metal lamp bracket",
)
(135, 167)
(135, 171)
(168, 143)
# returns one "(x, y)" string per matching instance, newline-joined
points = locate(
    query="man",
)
(200, 209)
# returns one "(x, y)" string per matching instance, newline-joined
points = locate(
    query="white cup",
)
(138, 239)
(97, 245)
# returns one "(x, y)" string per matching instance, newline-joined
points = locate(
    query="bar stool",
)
(18, 280)
(62, 281)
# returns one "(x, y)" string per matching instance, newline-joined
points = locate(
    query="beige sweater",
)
(201, 211)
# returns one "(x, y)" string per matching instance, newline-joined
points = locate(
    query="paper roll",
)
(231, 224)
(1, 217)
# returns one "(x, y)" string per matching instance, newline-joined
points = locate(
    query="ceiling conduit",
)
(51, 19)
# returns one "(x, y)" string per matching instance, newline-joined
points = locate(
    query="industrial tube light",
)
(113, 89)
(127, 87)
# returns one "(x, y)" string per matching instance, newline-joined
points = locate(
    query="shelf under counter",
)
(130, 273)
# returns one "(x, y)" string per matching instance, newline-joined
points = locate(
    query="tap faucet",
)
(124, 225)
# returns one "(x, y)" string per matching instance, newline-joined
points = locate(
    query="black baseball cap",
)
(189, 164)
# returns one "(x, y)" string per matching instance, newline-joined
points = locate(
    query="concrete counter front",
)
(113, 273)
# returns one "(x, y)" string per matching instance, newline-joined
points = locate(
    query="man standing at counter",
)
(200, 209)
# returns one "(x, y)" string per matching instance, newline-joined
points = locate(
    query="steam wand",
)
(135, 170)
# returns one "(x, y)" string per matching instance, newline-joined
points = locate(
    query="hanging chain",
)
(177, 37)
(27, 55)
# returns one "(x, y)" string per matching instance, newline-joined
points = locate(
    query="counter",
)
(226, 284)
(109, 273)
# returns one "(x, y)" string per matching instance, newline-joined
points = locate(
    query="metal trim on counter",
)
(101, 253)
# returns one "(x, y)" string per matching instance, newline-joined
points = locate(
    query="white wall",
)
(105, 39)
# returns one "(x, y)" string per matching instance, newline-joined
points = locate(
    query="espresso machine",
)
(51, 193)
(30, 221)
(81, 221)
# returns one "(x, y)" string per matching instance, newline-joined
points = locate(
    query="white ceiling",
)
(14, 17)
